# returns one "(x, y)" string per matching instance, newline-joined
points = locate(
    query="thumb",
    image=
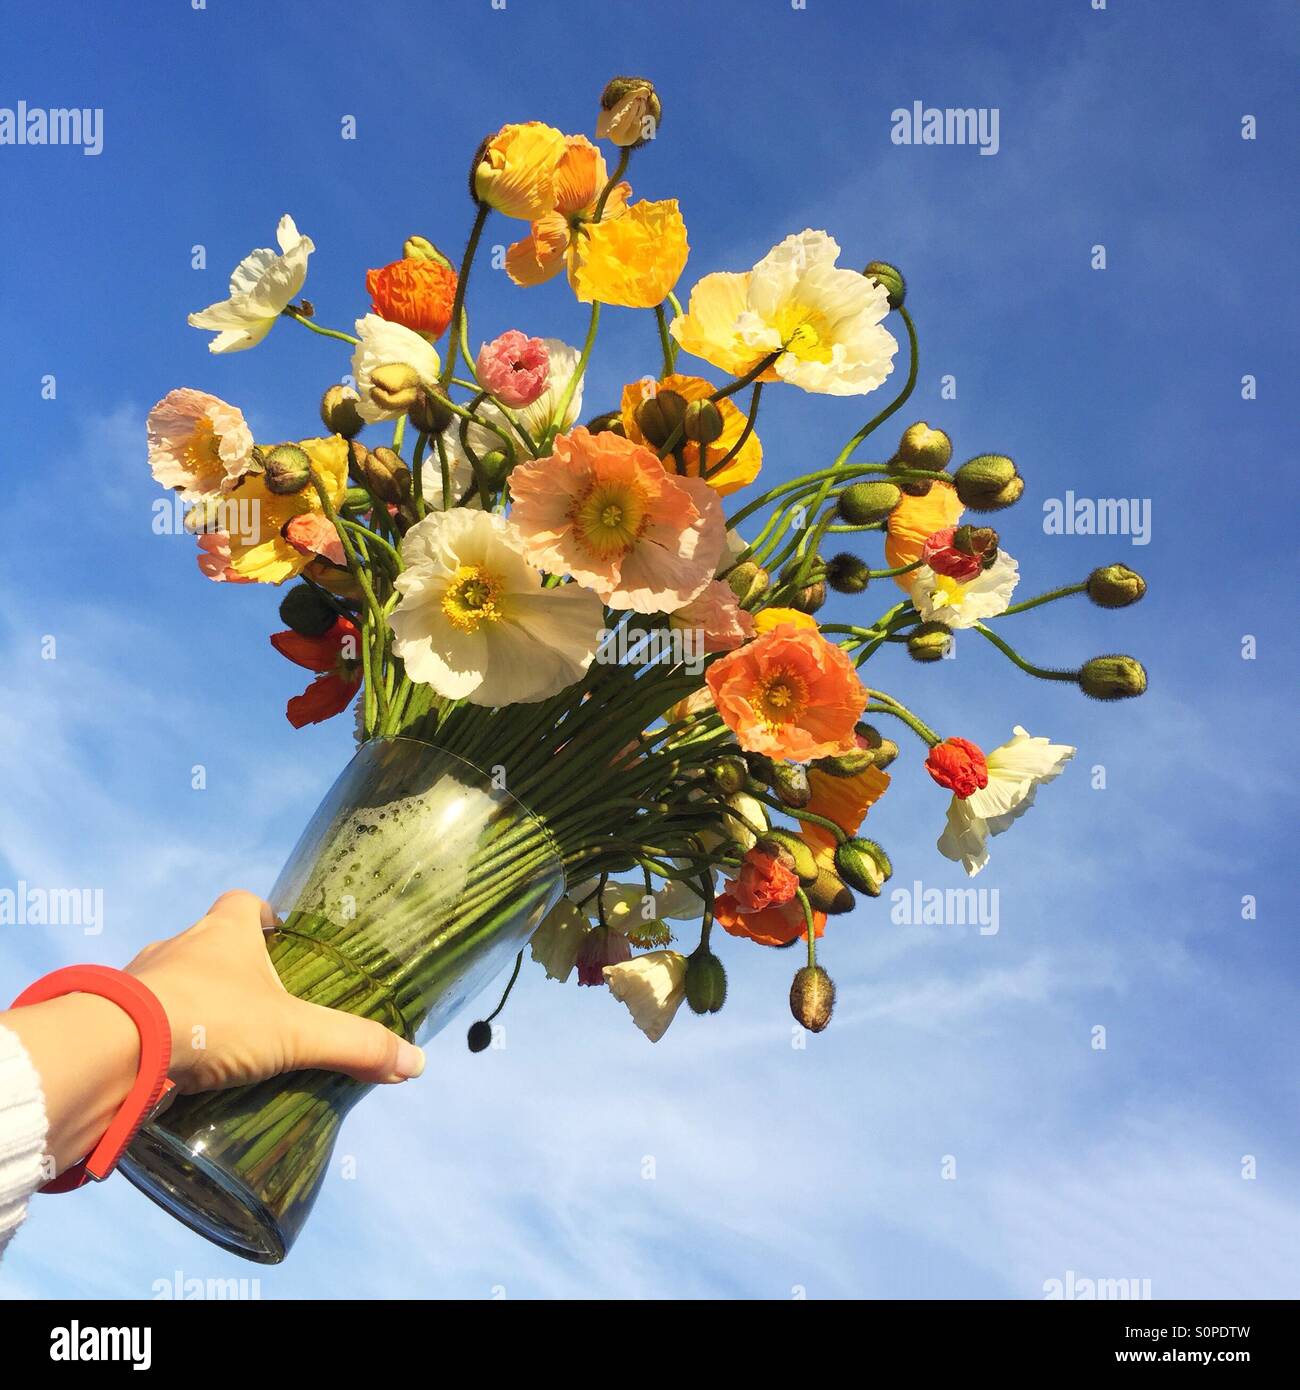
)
(358, 1047)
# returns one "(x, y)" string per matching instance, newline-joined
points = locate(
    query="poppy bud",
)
(611, 422)
(357, 455)
(387, 476)
(808, 597)
(790, 783)
(659, 417)
(702, 423)
(883, 750)
(828, 894)
(863, 865)
(706, 982)
(1115, 586)
(1113, 677)
(801, 857)
(630, 111)
(812, 997)
(929, 642)
(429, 411)
(890, 278)
(988, 482)
(846, 764)
(864, 504)
(923, 447)
(357, 499)
(287, 469)
(728, 773)
(394, 385)
(495, 466)
(418, 248)
(339, 414)
(303, 610)
(959, 765)
(847, 574)
(761, 768)
(480, 1036)
(748, 582)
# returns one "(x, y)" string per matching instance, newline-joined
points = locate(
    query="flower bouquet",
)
(597, 714)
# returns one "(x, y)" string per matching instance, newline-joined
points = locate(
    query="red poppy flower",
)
(335, 655)
(959, 765)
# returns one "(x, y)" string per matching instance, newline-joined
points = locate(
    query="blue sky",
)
(775, 1168)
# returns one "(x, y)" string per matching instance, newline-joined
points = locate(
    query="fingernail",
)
(410, 1061)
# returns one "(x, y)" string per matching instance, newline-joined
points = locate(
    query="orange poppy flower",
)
(416, 294)
(915, 519)
(773, 926)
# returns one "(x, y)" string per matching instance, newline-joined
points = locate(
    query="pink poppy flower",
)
(604, 510)
(198, 444)
(716, 613)
(514, 368)
(214, 559)
(313, 533)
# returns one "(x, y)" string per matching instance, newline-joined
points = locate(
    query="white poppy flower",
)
(958, 604)
(474, 622)
(652, 986)
(556, 942)
(822, 319)
(261, 287)
(1015, 770)
(386, 344)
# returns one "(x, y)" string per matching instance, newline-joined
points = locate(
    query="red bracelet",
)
(152, 1085)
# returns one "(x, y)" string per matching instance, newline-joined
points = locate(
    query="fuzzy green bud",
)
(496, 466)
(286, 469)
(864, 504)
(847, 574)
(611, 422)
(728, 773)
(988, 482)
(429, 411)
(883, 750)
(929, 642)
(386, 475)
(702, 422)
(1113, 677)
(802, 859)
(846, 764)
(419, 248)
(339, 414)
(393, 386)
(863, 865)
(790, 783)
(706, 982)
(1115, 586)
(630, 112)
(660, 417)
(749, 582)
(812, 997)
(828, 894)
(890, 278)
(304, 610)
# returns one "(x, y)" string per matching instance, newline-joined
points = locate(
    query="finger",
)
(358, 1047)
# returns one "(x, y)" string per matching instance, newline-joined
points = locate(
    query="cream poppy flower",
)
(652, 986)
(556, 943)
(387, 344)
(473, 621)
(824, 321)
(261, 288)
(198, 444)
(1015, 772)
(939, 598)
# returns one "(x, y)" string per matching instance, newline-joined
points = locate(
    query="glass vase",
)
(416, 881)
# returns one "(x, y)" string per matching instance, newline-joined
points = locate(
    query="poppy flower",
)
(335, 656)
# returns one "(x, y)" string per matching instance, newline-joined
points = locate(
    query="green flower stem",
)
(801, 813)
(619, 170)
(1051, 597)
(809, 930)
(299, 317)
(458, 300)
(1042, 672)
(665, 342)
(566, 399)
(884, 704)
(714, 469)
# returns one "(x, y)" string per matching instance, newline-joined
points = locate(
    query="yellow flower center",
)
(805, 333)
(203, 448)
(782, 696)
(472, 598)
(609, 518)
(948, 592)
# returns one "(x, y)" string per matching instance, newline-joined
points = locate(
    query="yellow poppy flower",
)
(633, 260)
(708, 328)
(266, 556)
(515, 173)
(913, 520)
(741, 470)
(768, 618)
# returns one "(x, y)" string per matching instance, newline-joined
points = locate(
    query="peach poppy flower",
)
(214, 558)
(790, 694)
(773, 926)
(418, 294)
(603, 509)
(632, 260)
(724, 623)
(913, 521)
(740, 471)
(197, 443)
(580, 176)
(515, 173)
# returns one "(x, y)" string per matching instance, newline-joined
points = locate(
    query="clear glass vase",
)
(415, 883)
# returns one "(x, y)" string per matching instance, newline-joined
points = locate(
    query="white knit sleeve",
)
(22, 1133)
